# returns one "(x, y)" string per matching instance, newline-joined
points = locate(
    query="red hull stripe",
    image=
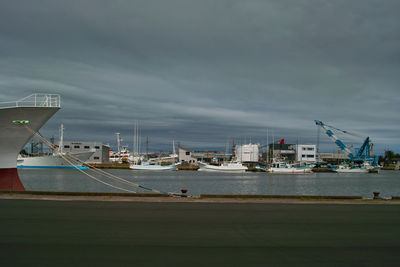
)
(9, 180)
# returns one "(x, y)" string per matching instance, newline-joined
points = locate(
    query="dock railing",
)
(35, 100)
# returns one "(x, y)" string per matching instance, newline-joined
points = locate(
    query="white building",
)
(306, 153)
(101, 154)
(186, 155)
(247, 153)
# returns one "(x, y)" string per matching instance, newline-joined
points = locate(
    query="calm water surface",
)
(386, 182)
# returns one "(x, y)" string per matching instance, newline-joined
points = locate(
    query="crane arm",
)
(335, 139)
(364, 146)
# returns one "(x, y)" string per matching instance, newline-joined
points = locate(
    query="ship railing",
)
(35, 100)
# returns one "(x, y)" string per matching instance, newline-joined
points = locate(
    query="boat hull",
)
(9, 180)
(289, 171)
(52, 161)
(352, 171)
(222, 168)
(13, 138)
(152, 167)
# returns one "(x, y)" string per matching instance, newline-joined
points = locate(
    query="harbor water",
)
(385, 182)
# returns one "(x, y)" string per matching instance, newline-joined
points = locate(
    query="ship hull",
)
(13, 138)
(52, 161)
(235, 168)
(289, 171)
(352, 171)
(153, 167)
(9, 180)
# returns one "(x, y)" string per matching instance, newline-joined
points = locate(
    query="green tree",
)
(389, 155)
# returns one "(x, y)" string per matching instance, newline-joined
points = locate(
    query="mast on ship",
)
(61, 144)
(118, 142)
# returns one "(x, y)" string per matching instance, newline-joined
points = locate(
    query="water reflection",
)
(386, 182)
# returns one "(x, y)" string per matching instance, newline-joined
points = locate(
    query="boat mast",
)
(147, 148)
(173, 150)
(61, 144)
(273, 147)
(118, 142)
(267, 148)
(134, 141)
(318, 134)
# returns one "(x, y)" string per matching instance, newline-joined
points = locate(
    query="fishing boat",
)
(357, 168)
(54, 161)
(19, 120)
(282, 167)
(142, 164)
(224, 167)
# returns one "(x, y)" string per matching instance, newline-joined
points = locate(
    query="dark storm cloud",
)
(203, 71)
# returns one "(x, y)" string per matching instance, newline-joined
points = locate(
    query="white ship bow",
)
(36, 110)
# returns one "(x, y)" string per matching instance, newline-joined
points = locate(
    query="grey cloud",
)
(203, 71)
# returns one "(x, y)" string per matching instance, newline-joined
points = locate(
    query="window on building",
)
(187, 153)
(96, 157)
(304, 148)
(310, 148)
(66, 146)
(87, 147)
(310, 156)
(77, 147)
(96, 147)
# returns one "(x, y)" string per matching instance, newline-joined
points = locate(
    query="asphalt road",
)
(89, 233)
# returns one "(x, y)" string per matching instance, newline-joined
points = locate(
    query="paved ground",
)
(100, 233)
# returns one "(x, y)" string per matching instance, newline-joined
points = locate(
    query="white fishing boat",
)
(142, 164)
(351, 169)
(145, 166)
(282, 167)
(54, 161)
(225, 167)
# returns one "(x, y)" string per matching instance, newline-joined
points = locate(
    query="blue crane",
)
(361, 155)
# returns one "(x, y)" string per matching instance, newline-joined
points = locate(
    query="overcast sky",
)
(201, 72)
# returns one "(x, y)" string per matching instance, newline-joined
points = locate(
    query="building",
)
(247, 153)
(192, 157)
(186, 155)
(281, 151)
(306, 153)
(101, 154)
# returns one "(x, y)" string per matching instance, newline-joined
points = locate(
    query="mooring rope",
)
(75, 162)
